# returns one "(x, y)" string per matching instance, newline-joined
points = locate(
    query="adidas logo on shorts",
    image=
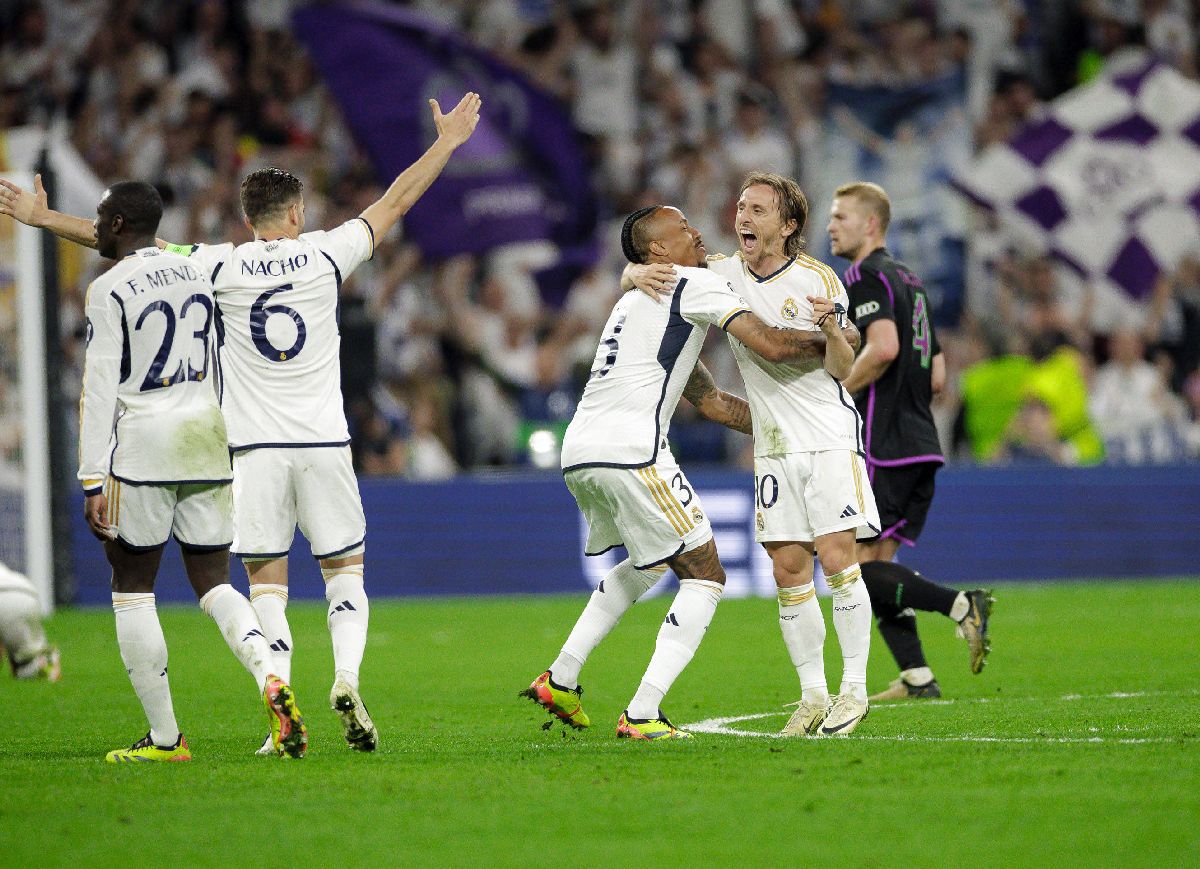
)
(848, 512)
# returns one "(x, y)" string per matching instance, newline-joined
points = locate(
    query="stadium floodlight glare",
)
(543, 448)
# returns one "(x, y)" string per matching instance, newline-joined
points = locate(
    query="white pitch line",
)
(720, 726)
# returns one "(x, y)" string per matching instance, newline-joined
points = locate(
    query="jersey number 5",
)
(260, 311)
(612, 344)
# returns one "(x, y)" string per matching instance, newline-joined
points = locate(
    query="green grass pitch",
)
(1078, 745)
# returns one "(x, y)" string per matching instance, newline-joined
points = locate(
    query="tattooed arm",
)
(716, 404)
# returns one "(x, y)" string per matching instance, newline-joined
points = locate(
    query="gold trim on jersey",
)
(858, 489)
(113, 494)
(828, 276)
(724, 321)
(666, 500)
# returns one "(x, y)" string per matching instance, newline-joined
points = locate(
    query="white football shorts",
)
(653, 511)
(198, 515)
(802, 496)
(277, 488)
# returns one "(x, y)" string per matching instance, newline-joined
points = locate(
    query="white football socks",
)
(616, 593)
(678, 638)
(803, 627)
(852, 621)
(233, 614)
(144, 651)
(270, 604)
(917, 676)
(347, 618)
(21, 625)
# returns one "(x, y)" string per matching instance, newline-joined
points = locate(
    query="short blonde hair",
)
(874, 197)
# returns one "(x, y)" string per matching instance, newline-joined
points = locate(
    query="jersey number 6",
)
(260, 311)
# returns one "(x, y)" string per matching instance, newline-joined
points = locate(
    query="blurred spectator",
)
(1132, 406)
(1032, 436)
(755, 145)
(678, 99)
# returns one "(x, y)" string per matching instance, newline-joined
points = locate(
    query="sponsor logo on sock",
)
(344, 606)
(254, 632)
(848, 512)
(845, 609)
(280, 646)
(602, 586)
(671, 620)
(789, 618)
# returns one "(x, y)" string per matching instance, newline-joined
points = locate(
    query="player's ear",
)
(788, 228)
(657, 248)
(118, 222)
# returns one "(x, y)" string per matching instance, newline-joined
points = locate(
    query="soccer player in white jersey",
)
(811, 487)
(22, 637)
(281, 394)
(619, 467)
(154, 463)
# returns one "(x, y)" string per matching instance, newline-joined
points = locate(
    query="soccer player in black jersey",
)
(893, 381)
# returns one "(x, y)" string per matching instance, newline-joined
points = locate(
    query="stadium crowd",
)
(466, 363)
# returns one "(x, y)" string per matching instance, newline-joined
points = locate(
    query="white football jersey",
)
(149, 412)
(646, 355)
(277, 305)
(796, 407)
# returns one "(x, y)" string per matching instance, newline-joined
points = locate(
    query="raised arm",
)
(33, 209)
(716, 404)
(453, 129)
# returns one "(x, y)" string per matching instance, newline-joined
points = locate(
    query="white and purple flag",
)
(1107, 181)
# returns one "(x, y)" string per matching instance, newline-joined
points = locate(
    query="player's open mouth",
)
(749, 240)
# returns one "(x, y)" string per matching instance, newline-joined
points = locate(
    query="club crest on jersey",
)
(789, 309)
(759, 522)
(697, 516)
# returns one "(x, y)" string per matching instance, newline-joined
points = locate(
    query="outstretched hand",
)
(653, 279)
(457, 126)
(22, 205)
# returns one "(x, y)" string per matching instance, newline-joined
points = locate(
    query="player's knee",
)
(131, 583)
(699, 563)
(647, 577)
(352, 556)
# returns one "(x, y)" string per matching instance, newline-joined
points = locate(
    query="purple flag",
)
(523, 175)
(1107, 179)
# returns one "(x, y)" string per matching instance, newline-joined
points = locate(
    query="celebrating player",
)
(162, 467)
(618, 465)
(22, 638)
(811, 491)
(894, 379)
(277, 300)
